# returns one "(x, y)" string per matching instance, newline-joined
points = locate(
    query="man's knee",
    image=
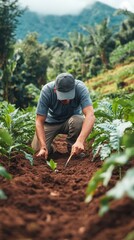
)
(75, 122)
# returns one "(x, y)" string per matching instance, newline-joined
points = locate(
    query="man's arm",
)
(41, 136)
(87, 126)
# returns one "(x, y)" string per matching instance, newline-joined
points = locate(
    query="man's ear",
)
(54, 89)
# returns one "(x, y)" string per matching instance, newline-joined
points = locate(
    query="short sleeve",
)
(44, 101)
(83, 95)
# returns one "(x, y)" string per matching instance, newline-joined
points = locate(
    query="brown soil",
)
(47, 205)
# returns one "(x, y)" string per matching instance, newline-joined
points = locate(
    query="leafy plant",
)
(6, 175)
(109, 137)
(123, 187)
(52, 164)
(2, 195)
(116, 116)
(16, 130)
(103, 175)
(130, 236)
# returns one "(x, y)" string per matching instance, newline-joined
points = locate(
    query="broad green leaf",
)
(107, 175)
(4, 173)
(28, 157)
(128, 140)
(2, 195)
(102, 176)
(130, 236)
(5, 137)
(104, 206)
(114, 141)
(99, 113)
(14, 147)
(105, 151)
(129, 152)
(123, 187)
(52, 164)
(116, 159)
(122, 127)
(8, 120)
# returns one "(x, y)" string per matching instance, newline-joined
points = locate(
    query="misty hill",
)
(50, 26)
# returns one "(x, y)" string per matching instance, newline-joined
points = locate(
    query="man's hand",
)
(42, 153)
(77, 148)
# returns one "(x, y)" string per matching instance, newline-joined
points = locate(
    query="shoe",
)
(81, 155)
(52, 150)
(69, 148)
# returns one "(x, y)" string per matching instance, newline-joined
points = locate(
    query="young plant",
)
(52, 164)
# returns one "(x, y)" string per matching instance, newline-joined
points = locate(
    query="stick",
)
(68, 160)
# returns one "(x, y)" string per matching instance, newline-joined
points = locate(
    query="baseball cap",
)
(65, 86)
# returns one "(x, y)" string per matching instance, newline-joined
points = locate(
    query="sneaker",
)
(52, 150)
(81, 155)
(69, 148)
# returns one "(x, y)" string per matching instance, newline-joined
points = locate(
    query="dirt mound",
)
(47, 205)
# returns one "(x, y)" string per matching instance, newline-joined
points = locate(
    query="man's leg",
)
(72, 127)
(50, 131)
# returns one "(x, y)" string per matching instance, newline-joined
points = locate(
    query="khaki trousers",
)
(71, 127)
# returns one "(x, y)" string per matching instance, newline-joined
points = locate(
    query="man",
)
(59, 111)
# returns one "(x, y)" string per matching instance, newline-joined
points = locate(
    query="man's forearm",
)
(40, 134)
(86, 128)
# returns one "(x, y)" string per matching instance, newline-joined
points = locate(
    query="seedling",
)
(52, 164)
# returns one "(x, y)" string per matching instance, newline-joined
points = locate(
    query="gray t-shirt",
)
(57, 112)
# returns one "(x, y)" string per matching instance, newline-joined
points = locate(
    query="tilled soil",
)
(47, 205)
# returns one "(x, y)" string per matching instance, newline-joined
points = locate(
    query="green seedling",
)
(52, 164)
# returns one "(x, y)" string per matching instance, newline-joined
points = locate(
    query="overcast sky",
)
(61, 7)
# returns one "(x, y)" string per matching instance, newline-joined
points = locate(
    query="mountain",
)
(50, 26)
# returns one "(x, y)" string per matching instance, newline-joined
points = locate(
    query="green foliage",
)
(116, 116)
(5, 138)
(103, 175)
(125, 187)
(36, 59)
(130, 236)
(17, 130)
(2, 195)
(52, 164)
(4, 173)
(126, 32)
(101, 38)
(122, 53)
(9, 13)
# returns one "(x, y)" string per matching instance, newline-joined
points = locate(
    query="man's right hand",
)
(43, 152)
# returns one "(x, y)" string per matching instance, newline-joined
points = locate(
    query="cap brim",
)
(65, 95)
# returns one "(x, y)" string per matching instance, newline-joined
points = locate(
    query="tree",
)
(101, 38)
(9, 13)
(36, 60)
(126, 32)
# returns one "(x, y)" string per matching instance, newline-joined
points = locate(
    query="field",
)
(118, 79)
(49, 205)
